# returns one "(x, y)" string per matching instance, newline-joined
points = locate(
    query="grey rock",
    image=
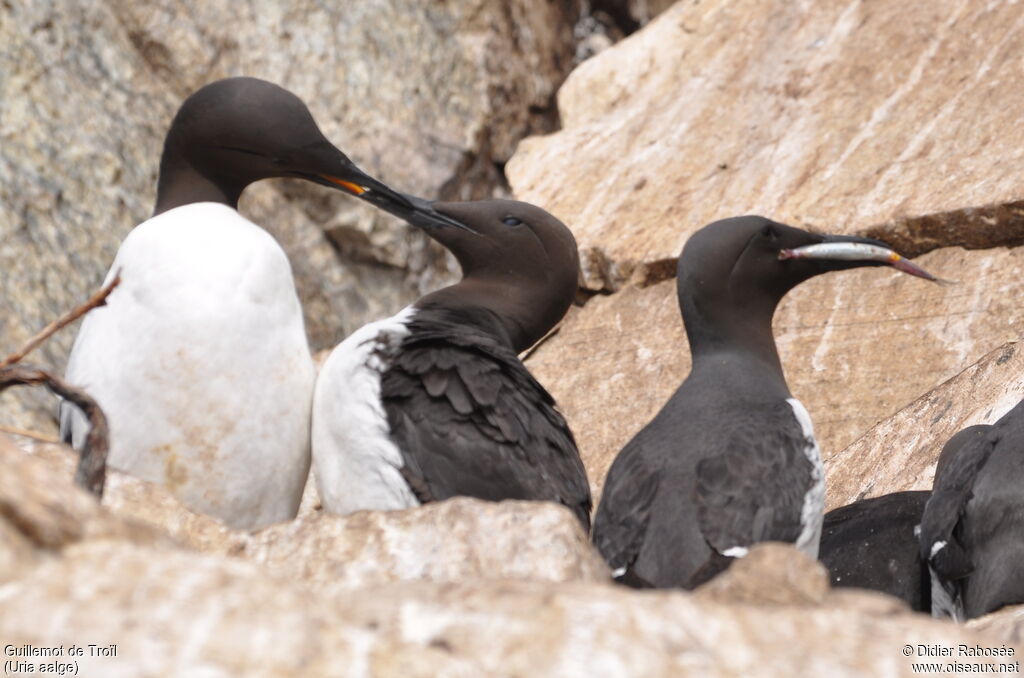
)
(431, 97)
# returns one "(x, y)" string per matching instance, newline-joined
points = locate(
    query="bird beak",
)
(856, 252)
(416, 211)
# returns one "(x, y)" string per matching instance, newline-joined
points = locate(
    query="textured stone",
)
(430, 96)
(856, 347)
(770, 574)
(900, 453)
(174, 613)
(719, 108)
(42, 512)
(1006, 624)
(455, 540)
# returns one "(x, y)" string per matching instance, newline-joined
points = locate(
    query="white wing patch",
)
(936, 547)
(355, 462)
(813, 513)
(736, 552)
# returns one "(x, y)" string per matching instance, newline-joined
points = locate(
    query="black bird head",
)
(236, 131)
(518, 262)
(733, 273)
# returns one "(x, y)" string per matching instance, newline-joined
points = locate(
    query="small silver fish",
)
(859, 251)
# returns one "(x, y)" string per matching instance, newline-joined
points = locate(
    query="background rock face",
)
(723, 108)
(900, 453)
(844, 116)
(431, 97)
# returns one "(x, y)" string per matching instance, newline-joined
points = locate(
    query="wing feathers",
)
(469, 419)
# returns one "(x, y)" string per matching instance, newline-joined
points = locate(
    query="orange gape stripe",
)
(355, 188)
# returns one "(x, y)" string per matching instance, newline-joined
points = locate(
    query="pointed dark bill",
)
(416, 211)
(858, 251)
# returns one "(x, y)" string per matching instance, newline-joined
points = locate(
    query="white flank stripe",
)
(813, 512)
(354, 460)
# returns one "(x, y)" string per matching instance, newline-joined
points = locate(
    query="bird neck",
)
(733, 337)
(182, 184)
(491, 307)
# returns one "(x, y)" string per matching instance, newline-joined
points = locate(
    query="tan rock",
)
(1006, 624)
(132, 499)
(457, 540)
(174, 613)
(42, 512)
(432, 97)
(719, 108)
(900, 453)
(856, 347)
(770, 574)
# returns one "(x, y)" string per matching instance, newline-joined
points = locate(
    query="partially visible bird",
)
(434, 402)
(972, 531)
(730, 460)
(199, 358)
(872, 544)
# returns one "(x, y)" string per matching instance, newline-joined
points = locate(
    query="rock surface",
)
(431, 97)
(42, 512)
(491, 597)
(244, 622)
(455, 540)
(1006, 624)
(770, 574)
(900, 453)
(719, 108)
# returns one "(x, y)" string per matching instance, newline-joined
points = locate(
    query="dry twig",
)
(97, 299)
(92, 464)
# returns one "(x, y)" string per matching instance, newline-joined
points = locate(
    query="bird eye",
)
(511, 221)
(769, 233)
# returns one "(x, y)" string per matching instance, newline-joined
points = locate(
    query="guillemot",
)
(434, 402)
(199, 358)
(731, 459)
(972, 531)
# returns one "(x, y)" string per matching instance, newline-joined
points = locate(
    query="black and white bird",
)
(199, 357)
(434, 402)
(872, 544)
(972, 531)
(731, 459)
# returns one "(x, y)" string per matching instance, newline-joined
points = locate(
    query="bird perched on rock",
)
(731, 459)
(199, 358)
(972, 531)
(873, 543)
(434, 402)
